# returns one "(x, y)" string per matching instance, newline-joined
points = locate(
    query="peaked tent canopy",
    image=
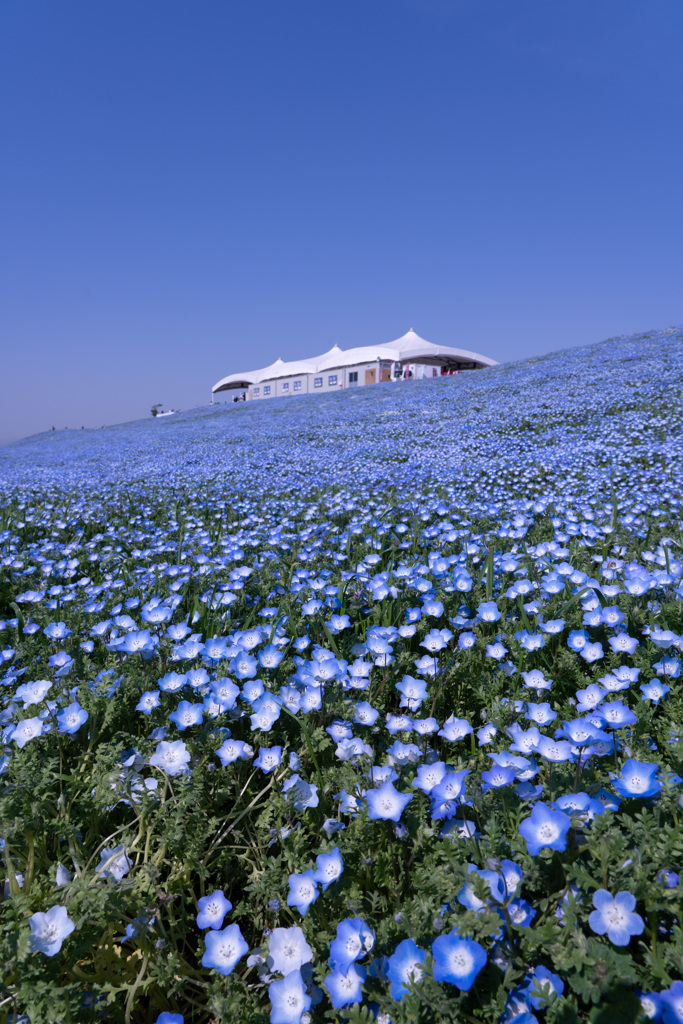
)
(407, 349)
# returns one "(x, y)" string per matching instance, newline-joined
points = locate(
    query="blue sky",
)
(191, 189)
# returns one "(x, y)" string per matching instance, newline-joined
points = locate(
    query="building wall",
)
(337, 379)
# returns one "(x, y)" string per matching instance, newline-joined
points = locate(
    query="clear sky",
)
(193, 188)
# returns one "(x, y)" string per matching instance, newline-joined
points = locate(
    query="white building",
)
(407, 358)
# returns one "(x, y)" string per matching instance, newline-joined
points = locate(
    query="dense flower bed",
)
(360, 707)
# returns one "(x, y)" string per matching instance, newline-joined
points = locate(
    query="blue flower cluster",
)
(369, 699)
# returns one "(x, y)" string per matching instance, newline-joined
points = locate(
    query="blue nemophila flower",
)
(173, 758)
(672, 1003)
(302, 794)
(399, 723)
(404, 967)
(615, 916)
(521, 913)
(365, 714)
(504, 879)
(288, 999)
(580, 805)
(486, 734)
(488, 611)
(545, 828)
(455, 729)
(436, 640)
(187, 714)
(329, 867)
(303, 891)
(650, 1005)
(224, 949)
(288, 950)
(386, 802)
(655, 690)
(170, 1018)
(623, 644)
(542, 988)
(71, 718)
(552, 626)
(497, 778)
(268, 759)
(425, 726)
(212, 910)
(531, 641)
(577, 639)
(172, 682)
(496, 650)
(429, 775)
(413, 692)
(617, 714)
(457, 960)
(345, 989)
(591, 652)
(62, 876)
(535, 680)
(148, 701)
(556, 751)
(114, 863)
(270, 657)
(33, 693)
(232, 750)
(432, 608)
(426, 665)
(637, 779)
(354, 939)
(466, 640)
(57, 631)
(338, 623)
(49, 930)
(26, 730)
(541, 714)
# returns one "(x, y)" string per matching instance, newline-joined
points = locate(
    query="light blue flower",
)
(303, 891)
(615, 916)
(288, 999)
(288, 950)
(49, 930)
(545, 828)
(637, 779)
(457, 960)
(345, 989)
(173, 758)
(71, 718)
(404, 967)
(329, 867)
(268, 759)
(354, 939)
(224, 949)
(386, 802)
(212, 910)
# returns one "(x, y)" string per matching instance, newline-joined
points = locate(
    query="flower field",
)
(357, 707)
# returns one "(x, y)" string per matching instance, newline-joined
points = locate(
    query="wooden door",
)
(370, 376)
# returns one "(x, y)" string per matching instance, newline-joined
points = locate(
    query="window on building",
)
(285, 386)
(332, 379)
(297, 385)
(353, 377)
(257, 391)
(266, 389)
(318, 382)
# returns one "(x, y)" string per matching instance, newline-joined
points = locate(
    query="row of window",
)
(318, 383)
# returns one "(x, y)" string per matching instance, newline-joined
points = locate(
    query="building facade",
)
(407, 358)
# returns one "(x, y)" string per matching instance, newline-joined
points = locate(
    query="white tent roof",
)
(409, 348)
